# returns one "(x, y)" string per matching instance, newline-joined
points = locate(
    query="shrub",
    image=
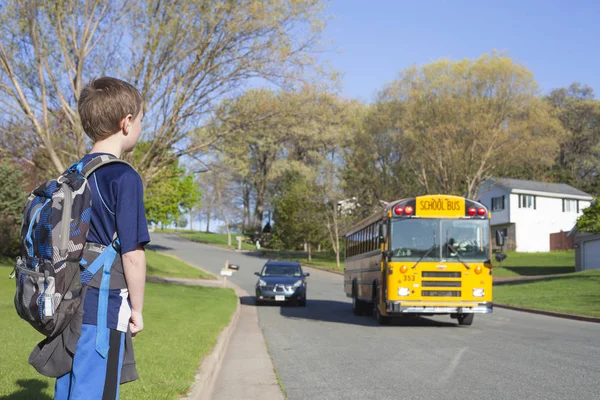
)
(12, 200)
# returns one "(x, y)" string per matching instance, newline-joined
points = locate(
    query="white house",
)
(527, 212)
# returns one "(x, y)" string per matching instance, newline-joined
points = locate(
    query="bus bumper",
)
(414, 307)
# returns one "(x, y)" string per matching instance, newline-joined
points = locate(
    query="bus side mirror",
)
(499, 238)
(382, 233)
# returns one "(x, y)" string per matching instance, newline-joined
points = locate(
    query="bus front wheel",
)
(465, 319)
(381, 319)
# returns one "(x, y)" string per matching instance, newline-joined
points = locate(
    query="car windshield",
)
(281, 270)
(440, 240)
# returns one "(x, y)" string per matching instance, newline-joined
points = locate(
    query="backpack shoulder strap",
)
(100, 161)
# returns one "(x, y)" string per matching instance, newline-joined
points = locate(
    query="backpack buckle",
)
(116, 243)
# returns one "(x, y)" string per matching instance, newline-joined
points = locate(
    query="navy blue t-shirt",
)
(117, 206)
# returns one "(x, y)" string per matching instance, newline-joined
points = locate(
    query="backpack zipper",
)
(65, 221)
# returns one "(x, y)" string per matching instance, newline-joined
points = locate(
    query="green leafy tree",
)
(12, 200)
(298, 214)
(171, 197)
(589, 221)
(181, 222)
(189, 193)
(272, 132)
(172, 194)
(376, 160)
(578, 163)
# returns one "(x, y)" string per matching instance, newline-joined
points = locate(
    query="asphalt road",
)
(324, 352)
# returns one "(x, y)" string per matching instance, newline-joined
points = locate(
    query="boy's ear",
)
(126, 124)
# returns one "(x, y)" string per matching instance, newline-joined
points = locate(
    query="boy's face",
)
(134, 132)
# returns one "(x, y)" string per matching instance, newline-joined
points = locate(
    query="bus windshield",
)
(440, 240)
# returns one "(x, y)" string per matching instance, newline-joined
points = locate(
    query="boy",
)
(111, 115)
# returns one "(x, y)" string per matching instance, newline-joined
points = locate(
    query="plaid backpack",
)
(56, 221)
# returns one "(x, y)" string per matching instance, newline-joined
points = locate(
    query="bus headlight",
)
(478, 292)
(403, 291)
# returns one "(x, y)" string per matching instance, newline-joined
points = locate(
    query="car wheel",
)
(465, 319)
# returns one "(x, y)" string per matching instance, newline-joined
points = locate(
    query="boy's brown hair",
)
(103, 103)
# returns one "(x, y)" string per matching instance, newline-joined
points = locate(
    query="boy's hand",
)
(136, 323)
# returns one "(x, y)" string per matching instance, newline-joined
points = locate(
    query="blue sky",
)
(559, 41)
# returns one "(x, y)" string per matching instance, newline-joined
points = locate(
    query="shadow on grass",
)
(341, 312)
(29, 389)
(548, 270)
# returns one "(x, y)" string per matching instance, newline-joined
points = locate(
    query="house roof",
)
(535, 186)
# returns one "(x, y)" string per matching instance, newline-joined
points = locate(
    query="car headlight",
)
(403, 291)
(478, 292)
(298, 284)
(262, 283)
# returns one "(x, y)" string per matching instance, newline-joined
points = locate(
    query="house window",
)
(498, 203)
(570, 205)
(527, 201)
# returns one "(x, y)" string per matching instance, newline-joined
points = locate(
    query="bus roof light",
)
(398, 210)
(408, 210)
(481, 211)
(472, 211)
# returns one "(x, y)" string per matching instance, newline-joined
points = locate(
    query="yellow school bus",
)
(425, 255)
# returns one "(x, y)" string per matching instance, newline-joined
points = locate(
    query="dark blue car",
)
(281, 282)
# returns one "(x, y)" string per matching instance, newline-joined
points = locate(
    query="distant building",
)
(528, 212)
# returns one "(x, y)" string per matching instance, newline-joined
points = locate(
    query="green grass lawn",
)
(182, 324)
(577, 293)
(555, 262)
(219, 239)
(159, 264)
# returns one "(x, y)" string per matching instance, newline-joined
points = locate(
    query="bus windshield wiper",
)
(428, 251)
(457, 256)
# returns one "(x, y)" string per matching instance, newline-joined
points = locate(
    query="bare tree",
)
(463, 120)
(46, 48)
(183, 56)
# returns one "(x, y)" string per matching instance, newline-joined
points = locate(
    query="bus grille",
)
(440, 293)
(437, 274)
(441, 283)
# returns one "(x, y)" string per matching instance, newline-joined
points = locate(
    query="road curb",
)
(205, 379)
(549, 313)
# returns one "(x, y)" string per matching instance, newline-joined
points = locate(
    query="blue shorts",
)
(92, 376)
